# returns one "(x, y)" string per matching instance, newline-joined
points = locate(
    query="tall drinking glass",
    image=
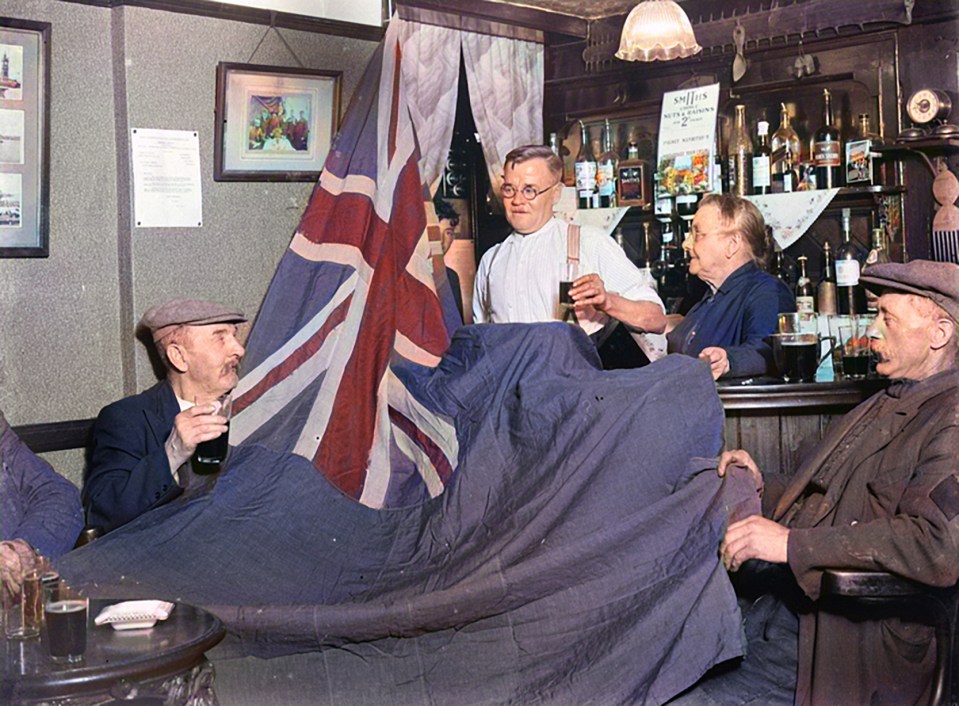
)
(855, 348)
(569, 275)
(21, 612)
(209, 455)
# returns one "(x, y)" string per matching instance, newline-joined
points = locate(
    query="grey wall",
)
(66, 322)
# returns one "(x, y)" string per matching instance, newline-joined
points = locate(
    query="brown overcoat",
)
(891, 505)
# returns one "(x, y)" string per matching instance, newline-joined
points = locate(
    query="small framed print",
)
(24, 138)
(859, 162)
(272, 123)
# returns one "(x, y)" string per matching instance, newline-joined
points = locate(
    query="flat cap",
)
(938, 281)
(163, 319)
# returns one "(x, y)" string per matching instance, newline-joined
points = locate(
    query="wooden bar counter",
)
(770, 418)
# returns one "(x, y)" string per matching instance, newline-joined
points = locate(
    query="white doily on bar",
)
(790, 215)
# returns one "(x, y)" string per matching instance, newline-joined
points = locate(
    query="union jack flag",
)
(354, 300)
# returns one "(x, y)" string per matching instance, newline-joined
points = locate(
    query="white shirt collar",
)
(519, 237)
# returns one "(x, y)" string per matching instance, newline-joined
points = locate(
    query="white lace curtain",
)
(505, 78)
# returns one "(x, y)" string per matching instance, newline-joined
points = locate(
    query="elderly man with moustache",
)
(141, 442)
(518, 280)
(879, 492)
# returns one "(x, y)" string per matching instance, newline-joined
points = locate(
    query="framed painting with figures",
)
(273, 124)
(24, 137)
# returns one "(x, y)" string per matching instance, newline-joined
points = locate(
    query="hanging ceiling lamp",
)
(657, 30)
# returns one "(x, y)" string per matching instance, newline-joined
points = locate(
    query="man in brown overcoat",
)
(879, 492)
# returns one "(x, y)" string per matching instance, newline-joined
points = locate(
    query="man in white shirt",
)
(518, 279)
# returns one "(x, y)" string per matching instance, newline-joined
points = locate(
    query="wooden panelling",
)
(777, 439)
(56, 436)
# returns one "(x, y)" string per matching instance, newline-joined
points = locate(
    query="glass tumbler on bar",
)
(65, 613)
(21, 612)
(855, 348)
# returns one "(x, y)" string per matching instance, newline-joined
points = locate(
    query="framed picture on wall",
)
(273, 124)
(24, 138)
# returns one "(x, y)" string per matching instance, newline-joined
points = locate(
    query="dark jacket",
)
(36, 504)
(129, 472)
(737, 317)
(892, 505)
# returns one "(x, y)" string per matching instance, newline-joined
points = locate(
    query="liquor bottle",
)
(606, 170)
(585, 170)
(739, 156)
(786, 155)
(647, 251)
(631, 186)
(554, 146)
(826, 290)
(717, 178)
(779, 266)
(686, 205)
(827, 149)
(805, 301)
(878, 254)
(876, 167)
(879, 251)
(849, 295)
(762, 183)
(620, 239)
(554, 143)
(667, 269)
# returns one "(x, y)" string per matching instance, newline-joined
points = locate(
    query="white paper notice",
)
(166, 179)
(687, 139)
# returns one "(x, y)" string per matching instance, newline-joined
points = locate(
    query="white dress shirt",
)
(518, 280)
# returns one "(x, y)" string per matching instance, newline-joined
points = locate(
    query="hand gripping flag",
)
(353, 300)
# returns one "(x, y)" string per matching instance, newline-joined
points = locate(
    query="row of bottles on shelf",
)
(777, 165)
(838, 290)
(596, 176)
(770, 164)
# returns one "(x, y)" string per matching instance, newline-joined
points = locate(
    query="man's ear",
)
(943, 331)
(177, 357)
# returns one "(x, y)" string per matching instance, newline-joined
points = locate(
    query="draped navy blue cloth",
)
(572, 558)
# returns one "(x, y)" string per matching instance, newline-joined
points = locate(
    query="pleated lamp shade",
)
(657, 30)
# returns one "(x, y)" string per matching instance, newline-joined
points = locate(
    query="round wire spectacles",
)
(529, 192)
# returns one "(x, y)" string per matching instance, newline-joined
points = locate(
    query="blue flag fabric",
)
(571, 559)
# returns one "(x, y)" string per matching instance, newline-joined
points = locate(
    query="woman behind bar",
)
(728, 249)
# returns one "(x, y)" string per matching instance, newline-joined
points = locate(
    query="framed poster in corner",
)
(24, 138)
(272, 123)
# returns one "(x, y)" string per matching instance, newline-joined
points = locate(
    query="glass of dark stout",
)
(65, 614)
(796, 356)
(210, 455)
(569, 275)
(855, 348)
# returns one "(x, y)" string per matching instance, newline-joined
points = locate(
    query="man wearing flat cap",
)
(141, 442)
(880, 492)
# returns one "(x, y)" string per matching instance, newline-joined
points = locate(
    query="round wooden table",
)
(165, 664)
